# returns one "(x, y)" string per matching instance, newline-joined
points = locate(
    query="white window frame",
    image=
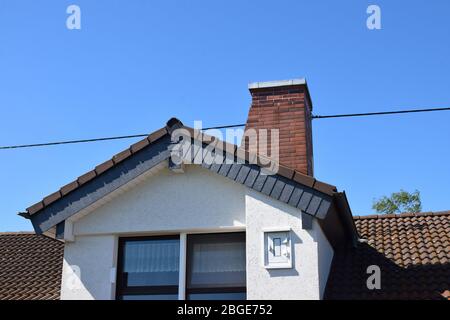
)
(264, 248)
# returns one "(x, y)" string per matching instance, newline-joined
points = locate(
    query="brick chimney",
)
(284, 105)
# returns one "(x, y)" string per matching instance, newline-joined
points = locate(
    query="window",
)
(216, 267)
(277, 249)
(148, 268)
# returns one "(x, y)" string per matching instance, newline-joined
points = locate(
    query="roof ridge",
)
(402, 215)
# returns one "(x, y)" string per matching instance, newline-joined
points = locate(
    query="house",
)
(153, 222)
(411, 250)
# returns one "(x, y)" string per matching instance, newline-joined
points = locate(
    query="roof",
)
(313, 197)
(30, 266)
(412, 250)
(148, 141)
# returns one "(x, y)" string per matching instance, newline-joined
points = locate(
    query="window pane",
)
(217, 260)
(151, 262)
(218, 296)
(151, 297)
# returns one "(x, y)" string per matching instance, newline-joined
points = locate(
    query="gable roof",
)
(412, 250)
(315, 198)
(30, 266)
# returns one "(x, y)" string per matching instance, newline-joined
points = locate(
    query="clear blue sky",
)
(135, 64)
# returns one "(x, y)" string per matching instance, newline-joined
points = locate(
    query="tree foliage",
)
(399, 202)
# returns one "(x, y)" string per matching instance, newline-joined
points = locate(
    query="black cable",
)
(224, 127)
(379, 113)
(72, 141)
(99, 139)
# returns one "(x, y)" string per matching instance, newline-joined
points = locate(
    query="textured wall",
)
(197, 200)
(93, 256)
(168, 202)
(300, 282)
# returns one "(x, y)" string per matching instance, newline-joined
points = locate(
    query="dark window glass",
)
(148, 268)
(151, 297)
(218, 296)
(216, 266)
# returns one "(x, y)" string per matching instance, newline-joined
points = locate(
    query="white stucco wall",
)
(300, 282)
(196, 201)
(87, 268)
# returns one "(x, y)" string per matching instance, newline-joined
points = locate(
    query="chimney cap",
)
(278, 83)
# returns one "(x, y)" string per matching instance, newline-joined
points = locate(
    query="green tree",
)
(399, 202)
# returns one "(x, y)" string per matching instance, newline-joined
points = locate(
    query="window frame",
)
(205, 290)
(122, 289)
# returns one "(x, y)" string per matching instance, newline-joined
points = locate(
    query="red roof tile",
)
(412, 250)
(30, 267)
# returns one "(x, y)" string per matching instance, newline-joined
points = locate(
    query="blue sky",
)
(135, 64)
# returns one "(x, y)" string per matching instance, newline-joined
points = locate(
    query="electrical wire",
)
(223, 127)
(379, 113)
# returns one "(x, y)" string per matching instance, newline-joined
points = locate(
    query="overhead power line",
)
(379, 113)
(46, 144)
(72, 141)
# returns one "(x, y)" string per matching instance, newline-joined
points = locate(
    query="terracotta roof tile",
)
(35, 207)
(158, 134)
(324, 187)
(139, 145)
(51, 198)
(88, 176)
(286, 172)
(104, 166)
(69, 187)
(412, 250)
(304, 179)
(121, 156)
(30, 267)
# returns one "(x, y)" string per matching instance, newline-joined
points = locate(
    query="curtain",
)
(219, 257)
(152, 256)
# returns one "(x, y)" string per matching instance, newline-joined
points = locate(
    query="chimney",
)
(284, 105)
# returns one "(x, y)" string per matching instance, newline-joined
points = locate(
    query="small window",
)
(277, 249)
(216, 267)
(148, 268)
